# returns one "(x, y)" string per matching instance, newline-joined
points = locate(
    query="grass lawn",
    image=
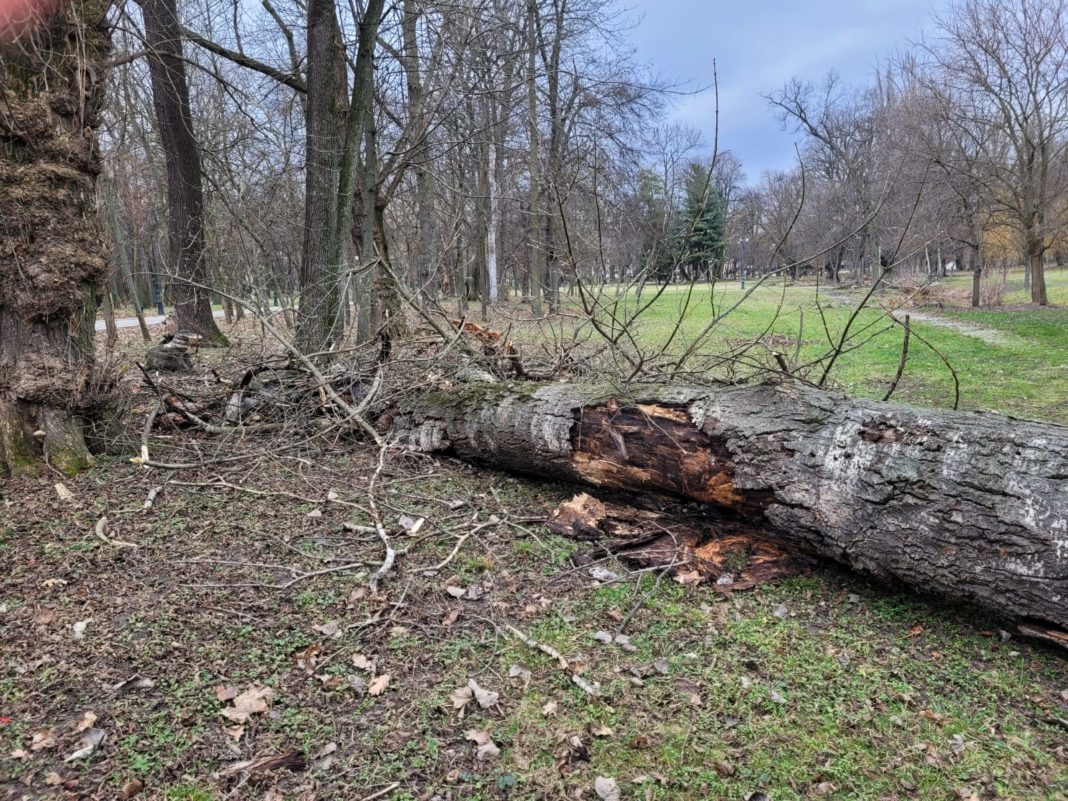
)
(1015, 291)
(1026, 375)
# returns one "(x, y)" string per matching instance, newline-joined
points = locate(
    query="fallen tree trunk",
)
(961, 504)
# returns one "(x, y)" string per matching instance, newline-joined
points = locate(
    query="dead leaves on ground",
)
(89, 740)
(607, 789)
(253, 701)
(473, 691)
(487, 749)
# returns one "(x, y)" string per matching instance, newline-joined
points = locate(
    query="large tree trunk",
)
(324, 132)
(1036, 258)
(536, 253)
(961, 504)
(426, 278)
(52, 257)
(185, 193)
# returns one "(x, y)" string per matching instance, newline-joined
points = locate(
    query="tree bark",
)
(324, 132)
(52, 256)
(426, 262)
(960, 504)
(185, 193)
(536, 256)
(1036, 257)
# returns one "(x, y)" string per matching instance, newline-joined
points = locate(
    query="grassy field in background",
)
(1024, 374)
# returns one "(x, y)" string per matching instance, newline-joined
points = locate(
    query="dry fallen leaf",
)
(131, 789)
(20, 754)
(378, 684)
(64, 493)
(361, 662)
(461, 697)
(602, 731)
(224, 693)
(87, 721)
(487, 749)
(53, 779)
(253, 701)
(549, 709)
(234, 732)
(90, 741)
(53, 582)
(42, 740)
(80, 627)
(486, 698)
(606, 789)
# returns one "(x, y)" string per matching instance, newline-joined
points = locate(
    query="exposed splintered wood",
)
(731, 554)
(961, 504)
(666, 452)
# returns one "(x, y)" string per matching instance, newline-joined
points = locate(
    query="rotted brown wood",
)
(728, 553)
(653, 447)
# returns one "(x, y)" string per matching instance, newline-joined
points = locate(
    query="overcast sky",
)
(758, 45)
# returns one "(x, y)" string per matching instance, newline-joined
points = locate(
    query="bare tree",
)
(1006, 64)
(185, 193)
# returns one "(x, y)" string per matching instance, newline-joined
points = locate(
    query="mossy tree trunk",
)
(52, 256)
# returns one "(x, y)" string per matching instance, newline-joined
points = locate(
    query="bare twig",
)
(901, 363)
(101, 526)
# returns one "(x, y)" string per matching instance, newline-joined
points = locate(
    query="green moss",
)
(72, 463)
(17, 454)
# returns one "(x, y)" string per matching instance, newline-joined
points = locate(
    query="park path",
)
(150, 319)
(990, 336)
